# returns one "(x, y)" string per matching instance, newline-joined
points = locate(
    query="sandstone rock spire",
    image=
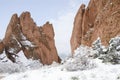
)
(100, 19)
(36, 42)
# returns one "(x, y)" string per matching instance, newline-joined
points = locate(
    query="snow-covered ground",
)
(58, 72)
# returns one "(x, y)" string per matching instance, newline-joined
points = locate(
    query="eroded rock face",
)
(1, 47)
(100, 19)
(77, 29)
(36, 42)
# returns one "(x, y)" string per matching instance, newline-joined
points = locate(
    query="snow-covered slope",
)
(57, 72)
(22, 64)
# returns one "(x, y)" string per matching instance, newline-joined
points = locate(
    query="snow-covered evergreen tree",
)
(111, 53)
(81, 60)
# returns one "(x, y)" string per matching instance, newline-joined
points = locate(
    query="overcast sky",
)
(59, 12)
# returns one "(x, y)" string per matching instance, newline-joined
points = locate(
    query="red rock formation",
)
(36, 42)
(1, 47)
(100, 19)
(77, 29)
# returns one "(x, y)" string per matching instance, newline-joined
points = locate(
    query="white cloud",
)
(73, 3)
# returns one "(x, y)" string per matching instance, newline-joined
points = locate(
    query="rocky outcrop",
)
(100, 19)
(77, 29)
(36, 42)
(1, 47)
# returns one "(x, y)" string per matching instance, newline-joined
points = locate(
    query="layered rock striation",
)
(36, 42)
(100, 19)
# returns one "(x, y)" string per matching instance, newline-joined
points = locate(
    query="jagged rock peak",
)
(99, 19)
(36, 42)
